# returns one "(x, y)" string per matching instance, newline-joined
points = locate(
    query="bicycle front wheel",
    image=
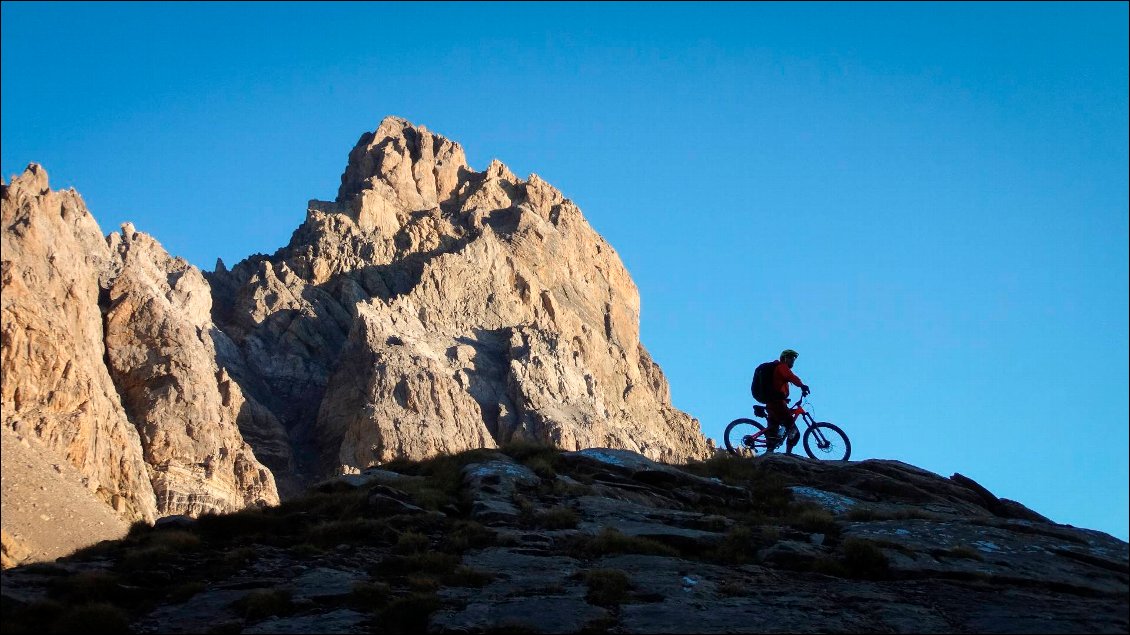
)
(826, 441)
(745, 438)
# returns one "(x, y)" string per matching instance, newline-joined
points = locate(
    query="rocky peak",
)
(482, 277)
(406, 163)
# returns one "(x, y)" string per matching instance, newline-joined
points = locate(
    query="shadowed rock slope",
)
(531, 539)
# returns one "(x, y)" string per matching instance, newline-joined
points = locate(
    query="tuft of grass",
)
(370, 596)
(264, 603)
(91, 618)
(468, 577)
(351, 531)
(329, 503)
(182, 592)
(33, 618)
(829, 566)
(411, 542)
(812, 518)
(557, 518)
(245, 524)
(422, 583)
(863, 559)
(569, 488)
(427, 562)
(467, 534)
(612, 541)
(607, 587)
(408, 614)
(174, 539)
(741, 544)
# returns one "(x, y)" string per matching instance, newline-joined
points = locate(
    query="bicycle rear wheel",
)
(745, 438)
(826, 441)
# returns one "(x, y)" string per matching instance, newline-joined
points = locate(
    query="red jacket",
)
(784, 376)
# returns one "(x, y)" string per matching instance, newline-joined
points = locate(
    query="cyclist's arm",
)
(791, 377)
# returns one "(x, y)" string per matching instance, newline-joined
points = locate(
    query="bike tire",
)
(745, 438)
(830, 443)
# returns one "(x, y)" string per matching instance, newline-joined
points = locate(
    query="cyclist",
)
(778, 407)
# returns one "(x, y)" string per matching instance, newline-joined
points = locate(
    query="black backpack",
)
(762, 386)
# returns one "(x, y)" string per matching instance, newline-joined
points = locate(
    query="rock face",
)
(428, 309)
(159, 346)
(432, 309)
(108, 361)
(55, 384)
(601, 540)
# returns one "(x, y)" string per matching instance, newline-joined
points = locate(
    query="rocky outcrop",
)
(56, 387)
(533, 540)
(160, 351)
(432, 308)
(109, 361)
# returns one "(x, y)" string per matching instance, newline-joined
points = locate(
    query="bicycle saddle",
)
(760, 411)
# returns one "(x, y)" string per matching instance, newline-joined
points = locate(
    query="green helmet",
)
(789, 353)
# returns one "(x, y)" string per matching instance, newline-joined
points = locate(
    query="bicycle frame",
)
(797, 411)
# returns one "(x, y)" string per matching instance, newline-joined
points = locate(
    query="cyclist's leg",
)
(778, 411)
(793, 436)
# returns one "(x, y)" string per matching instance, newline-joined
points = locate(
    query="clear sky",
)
(928, 201)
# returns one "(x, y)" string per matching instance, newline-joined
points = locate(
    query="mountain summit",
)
(429, 309)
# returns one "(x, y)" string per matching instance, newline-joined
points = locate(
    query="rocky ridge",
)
(533, 539)
(428, 309)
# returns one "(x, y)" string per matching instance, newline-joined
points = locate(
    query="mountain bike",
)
(822, 440)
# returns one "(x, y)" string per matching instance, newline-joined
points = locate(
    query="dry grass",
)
(611, 541)
(607, 587)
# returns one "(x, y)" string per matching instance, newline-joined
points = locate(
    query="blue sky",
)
(928, 201)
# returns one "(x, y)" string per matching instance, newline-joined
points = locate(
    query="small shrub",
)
(429, 562)
(467, 534)
(351, 531)
(408, 614)
(569, 488)
(829, 566)
(29, 618)
(612, 541)
(370, 596)
(468, 577)
(91, 618)
(246, 523)
(411, 542)
(525, 451)
(333, 504)
(174, 539)
(863, 559)
(421, 583)
(182, 592)
(86, 587)
(542, 467)
(144, 558)
(264, 603)
(741, 544)
(813, 519)
(557, 518)
(607, 587)
(307, 550)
